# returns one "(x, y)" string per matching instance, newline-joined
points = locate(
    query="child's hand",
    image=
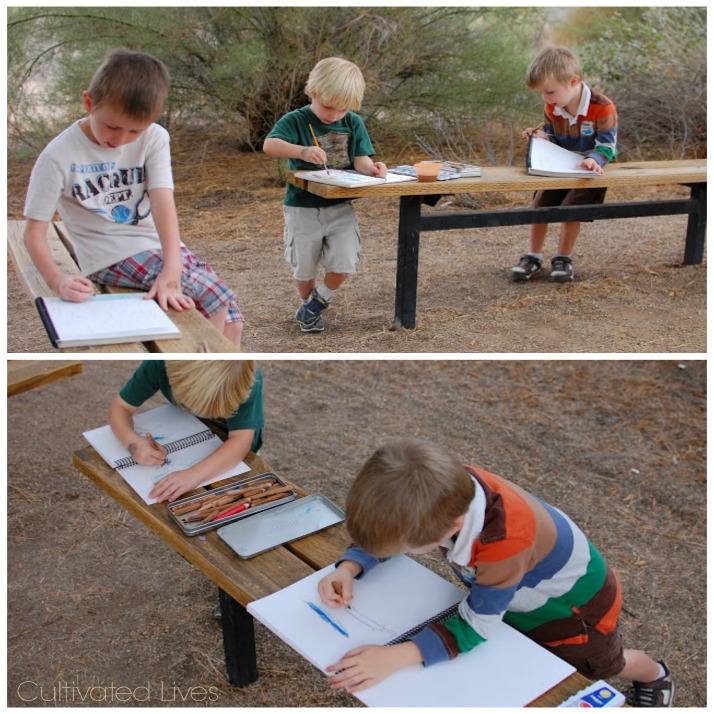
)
(336, 588)
(147, 452)
(313, 155)
(170, 487)
(167, 292)
(378, 169)
(366, 666)
(590, 164)
(74, 288)
(534, 131)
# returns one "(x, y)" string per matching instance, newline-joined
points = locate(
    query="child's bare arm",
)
(280, 149)
(74, 288)
(167, 287)
(143, 449)
(366, 666)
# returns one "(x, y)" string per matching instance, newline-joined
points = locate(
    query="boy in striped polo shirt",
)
(524, 562)
(580, 120)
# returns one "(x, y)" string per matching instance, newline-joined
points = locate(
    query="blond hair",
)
(337, 83)
(134, 83)
(211, 389)
(553, 63)
(408, 494)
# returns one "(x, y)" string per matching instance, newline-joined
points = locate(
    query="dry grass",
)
(95, 599)
(631, 293)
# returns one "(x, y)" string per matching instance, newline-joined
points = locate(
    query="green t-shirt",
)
(151, 377)
(342, 141)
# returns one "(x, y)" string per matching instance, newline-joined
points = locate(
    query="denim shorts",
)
(198, 280)
(326, 236)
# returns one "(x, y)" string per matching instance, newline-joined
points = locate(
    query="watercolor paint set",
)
(227, 504)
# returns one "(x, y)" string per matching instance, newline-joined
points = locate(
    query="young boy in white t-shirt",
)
(109, 176)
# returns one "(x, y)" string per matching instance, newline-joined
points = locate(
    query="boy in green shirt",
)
(227, 392)
(322, 230)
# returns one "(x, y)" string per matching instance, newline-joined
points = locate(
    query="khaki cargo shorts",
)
(321, 236)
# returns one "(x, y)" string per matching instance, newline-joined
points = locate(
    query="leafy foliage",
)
(654, 67)
(244, 67)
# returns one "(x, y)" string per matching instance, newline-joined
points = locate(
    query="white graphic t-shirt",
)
(102, 194)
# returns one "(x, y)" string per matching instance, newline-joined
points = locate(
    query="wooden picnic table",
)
(197, 333)
(411, 194)
(23, 375)
(242, 581)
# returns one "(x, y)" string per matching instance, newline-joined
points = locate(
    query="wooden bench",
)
(197, 334)
(691, 173)
(242, 581)
(23, 375)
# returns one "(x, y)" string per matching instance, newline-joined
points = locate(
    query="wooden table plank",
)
(512, 178)
(244, 580)
(23, 375)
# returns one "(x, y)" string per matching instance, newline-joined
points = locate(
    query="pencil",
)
(317, 143)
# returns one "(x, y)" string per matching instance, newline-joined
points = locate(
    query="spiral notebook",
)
(186, 439)
(391, 602)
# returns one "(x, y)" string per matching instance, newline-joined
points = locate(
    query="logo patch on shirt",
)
(587, 128)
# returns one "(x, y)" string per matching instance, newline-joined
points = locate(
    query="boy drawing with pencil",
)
(577, 119)
(523, 561)
(228, 392)
(109, 175)
(329, 134)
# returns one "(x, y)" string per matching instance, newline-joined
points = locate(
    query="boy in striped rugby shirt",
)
(524, 562)
(580, 120)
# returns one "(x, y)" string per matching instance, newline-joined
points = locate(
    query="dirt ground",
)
(96, 600)
(631, 294)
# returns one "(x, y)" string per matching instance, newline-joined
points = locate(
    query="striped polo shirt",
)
(591, 132)
(524, 562)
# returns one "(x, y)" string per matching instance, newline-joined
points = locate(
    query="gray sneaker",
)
(659, 693)
(309, 313)
(527, 267)
(561, 269)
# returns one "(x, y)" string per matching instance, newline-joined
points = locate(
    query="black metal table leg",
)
(407, 262)
(238, 641)
(696, 226)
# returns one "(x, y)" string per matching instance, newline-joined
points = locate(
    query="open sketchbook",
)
(548, 159)
(350, 179)
(509, 670)
(186, 439)
(104, 320)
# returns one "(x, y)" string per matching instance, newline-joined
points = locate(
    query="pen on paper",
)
(328, 619)
(317, 144)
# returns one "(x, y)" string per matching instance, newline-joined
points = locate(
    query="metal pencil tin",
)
(281, 525)
(194, 528)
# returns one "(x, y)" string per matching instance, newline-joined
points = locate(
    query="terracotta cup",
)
(427, 170)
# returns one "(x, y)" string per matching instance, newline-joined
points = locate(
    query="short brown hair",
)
(553, 63)
(408, 494)
(134, 83)
(212, 389)
(336, 82)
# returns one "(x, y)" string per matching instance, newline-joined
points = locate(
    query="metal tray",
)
(281, 525)
(191, 529)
